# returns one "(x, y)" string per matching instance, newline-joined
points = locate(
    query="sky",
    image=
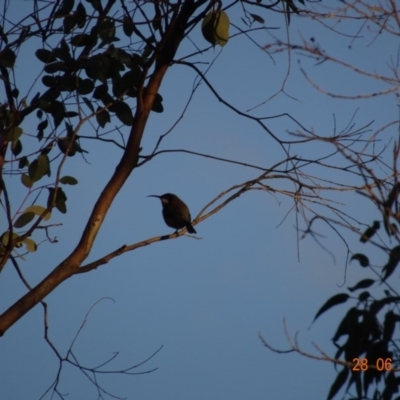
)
(204, 300)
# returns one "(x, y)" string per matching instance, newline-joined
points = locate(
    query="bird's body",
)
(175, 212)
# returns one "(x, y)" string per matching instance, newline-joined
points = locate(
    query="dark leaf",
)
(388, 327)
(23, 162)
(363, 296)
(100, 91)
(102, 117)
(377, 305)
(128, 26)
(71, 114)
(49, 96)
(69, 23)
(42, 125)
(60, 199)
(85, 86)
(362, 259)
(83, 39)
(3, 36)
(96, 4)
(80, 15)
(391, 265)
(55, 67)
(68, 180)
(123, 113)
(394, 193)
(369, 232)
(15, 93)
(64, 144)
(35, 98)
(391, 386)
(38, 168)
(106, 30)
(362, 284)
(45, 56)
(62, 52)
(89, 104)
(257, 18)
(65, 8)
(157, 105)
(338, 383)
(348, 325)
(49, 81)
(7, 58)
(24, 219)
(333, 301)
(16, 147)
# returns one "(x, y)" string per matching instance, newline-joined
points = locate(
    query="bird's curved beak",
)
(154, 195)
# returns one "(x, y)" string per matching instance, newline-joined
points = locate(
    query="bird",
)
(175, 212)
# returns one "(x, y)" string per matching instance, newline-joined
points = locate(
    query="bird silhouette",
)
(175, 212)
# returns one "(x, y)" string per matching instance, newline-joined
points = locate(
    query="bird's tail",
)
(190, 228)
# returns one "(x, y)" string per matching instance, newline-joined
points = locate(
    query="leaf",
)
(96, 4)
(127, 26)
(54, 67)
(45, 55)
(7, 58)
(24, 219)
(333, 301)
(23, 162)
(338, 383)
(49, 81)
(85, 86)
(369, 232)
(391, 265)
(100, 91)
(215, 28)
(38, 210)
(363, 296)
(26, 181)
(43, 125)
(89, 104)
(6, 236)
(365, 283)
(123, 113)
(62, 52)
(38, 168)
(102, 117)
(362, 259)
(65, 8)
(157, 105)
(388, 327)
(83, 39)
(80, 15)
(106, 30)
(69, 23)
(30, 245)
(257, 18)
(14, 133)
(68, 180)
(16, 147)
(60, 200)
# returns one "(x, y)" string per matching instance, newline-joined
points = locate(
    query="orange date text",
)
(361, 364)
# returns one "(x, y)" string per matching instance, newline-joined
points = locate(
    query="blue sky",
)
(204, 301)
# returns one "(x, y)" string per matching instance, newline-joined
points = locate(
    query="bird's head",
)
(165, 198)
